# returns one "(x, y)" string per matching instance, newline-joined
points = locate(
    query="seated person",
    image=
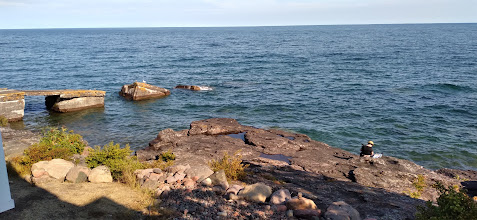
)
(367, 150)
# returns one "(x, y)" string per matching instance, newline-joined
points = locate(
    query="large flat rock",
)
(141, 91)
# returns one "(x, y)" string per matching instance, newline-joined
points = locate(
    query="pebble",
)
(157, 170)
(207, 182)
(290, 213)
(224, 214)
(281, 208)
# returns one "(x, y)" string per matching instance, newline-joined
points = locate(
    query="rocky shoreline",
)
(376, 188)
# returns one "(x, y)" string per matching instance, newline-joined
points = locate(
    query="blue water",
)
(412, 89)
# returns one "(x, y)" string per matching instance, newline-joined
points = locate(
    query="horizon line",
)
(235, 26)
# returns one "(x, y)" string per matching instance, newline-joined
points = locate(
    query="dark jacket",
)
(366, 150)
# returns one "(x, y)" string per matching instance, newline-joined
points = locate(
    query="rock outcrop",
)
(141, 91)
(16, 141)
(373, 186)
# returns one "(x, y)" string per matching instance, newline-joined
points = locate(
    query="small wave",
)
(447, 87)
(206, 88)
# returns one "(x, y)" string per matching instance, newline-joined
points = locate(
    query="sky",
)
(19, 14)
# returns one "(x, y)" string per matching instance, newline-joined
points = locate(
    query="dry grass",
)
(55, 200)
(82, 194)
(232, 165)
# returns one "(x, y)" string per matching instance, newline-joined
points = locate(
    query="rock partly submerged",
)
(192, 87)
(141, 91)
(373, 186)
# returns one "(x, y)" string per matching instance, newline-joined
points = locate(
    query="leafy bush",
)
(116, 158)
(55, 143)
(451, 204)
(232, 165)
(3, 121)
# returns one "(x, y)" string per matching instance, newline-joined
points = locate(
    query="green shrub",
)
(167, 156)
(3, 121)
(232, 165)
(116, 158)
(55, 143)
(451, 204)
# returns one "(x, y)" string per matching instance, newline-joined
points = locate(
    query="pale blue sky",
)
(200, 13)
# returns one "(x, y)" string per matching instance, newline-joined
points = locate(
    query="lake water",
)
(412, 89)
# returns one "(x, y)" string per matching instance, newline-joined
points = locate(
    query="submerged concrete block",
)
(76, 104)
(12, 104)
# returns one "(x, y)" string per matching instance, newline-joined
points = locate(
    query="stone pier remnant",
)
(12, 102)
(70, 100)
(140, 91)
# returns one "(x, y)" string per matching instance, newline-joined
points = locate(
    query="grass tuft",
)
(232, 165)
(3, 121)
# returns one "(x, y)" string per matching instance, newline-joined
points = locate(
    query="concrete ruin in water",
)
(12, 102)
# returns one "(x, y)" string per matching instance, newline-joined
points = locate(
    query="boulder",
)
(219, 179)
(141, 173)
(43, 179)
(56, 168)
(179, 176)
(257, 192)
(171, 179)
(206, 182)
(280, 196)
(234, 189)
(341, 211)
(141, 91)
(177, 168)
(155, 176)
(100, 174)
(297, 203)
(201, 171)
(150, 184)
(78, 174)
(307, 213)
(189, 183)
(38, 172)
(157, 170)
